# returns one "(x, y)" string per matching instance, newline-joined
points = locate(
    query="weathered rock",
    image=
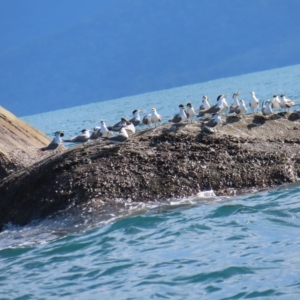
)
(20, 143)
(157, 164)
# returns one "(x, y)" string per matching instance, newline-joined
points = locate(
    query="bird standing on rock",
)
(136, 119)
(152, 118)
(81, 138)
(254, 102)
(276, 102)
(190, 111)
(267, 108)
(242, 109)
(55, 142)
(105, 133)
(218, 108)
(205, 105)
(225, 104)
(181, 116)
(235, 105)
(286, 103)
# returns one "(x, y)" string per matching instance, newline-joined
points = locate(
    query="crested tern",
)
(136, 119)
(81, 138)
(181, 116)
(286, 103)
(57, 140)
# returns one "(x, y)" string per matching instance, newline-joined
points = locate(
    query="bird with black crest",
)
(57, 140)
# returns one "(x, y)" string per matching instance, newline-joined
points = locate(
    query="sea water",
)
(218, 248)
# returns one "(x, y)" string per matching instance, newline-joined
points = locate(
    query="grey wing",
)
(211, 123)
(51, 146)
(95, 135)
(212, 110)
(115, 127)
(176, 119)
(147, 120)
(233, 109)
(135, 121)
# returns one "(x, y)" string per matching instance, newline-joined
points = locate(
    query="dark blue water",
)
(220, 248)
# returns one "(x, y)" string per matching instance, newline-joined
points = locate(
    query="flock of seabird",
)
(212, 115)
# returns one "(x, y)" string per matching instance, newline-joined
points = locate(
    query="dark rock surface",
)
(170, 161)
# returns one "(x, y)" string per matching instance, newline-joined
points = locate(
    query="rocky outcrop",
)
(170, 161)
(20, 144)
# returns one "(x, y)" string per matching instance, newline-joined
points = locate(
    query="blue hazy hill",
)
(137, 46)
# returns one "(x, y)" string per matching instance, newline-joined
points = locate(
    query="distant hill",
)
(137, 46)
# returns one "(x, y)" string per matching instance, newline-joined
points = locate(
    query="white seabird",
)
(81, 138)
(235, 104)
(181, 116)
(254, 102)
(267, 108)
(218, 108)
(190, 111)
(152, 118)
(241, 109)
(136, 119)
(276, 102)
(205, 104)
(104, 132)
(120, 138)
(55, 142)
(286, 103)
(225, 104)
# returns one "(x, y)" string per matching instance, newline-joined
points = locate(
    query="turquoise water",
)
(221, 248)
